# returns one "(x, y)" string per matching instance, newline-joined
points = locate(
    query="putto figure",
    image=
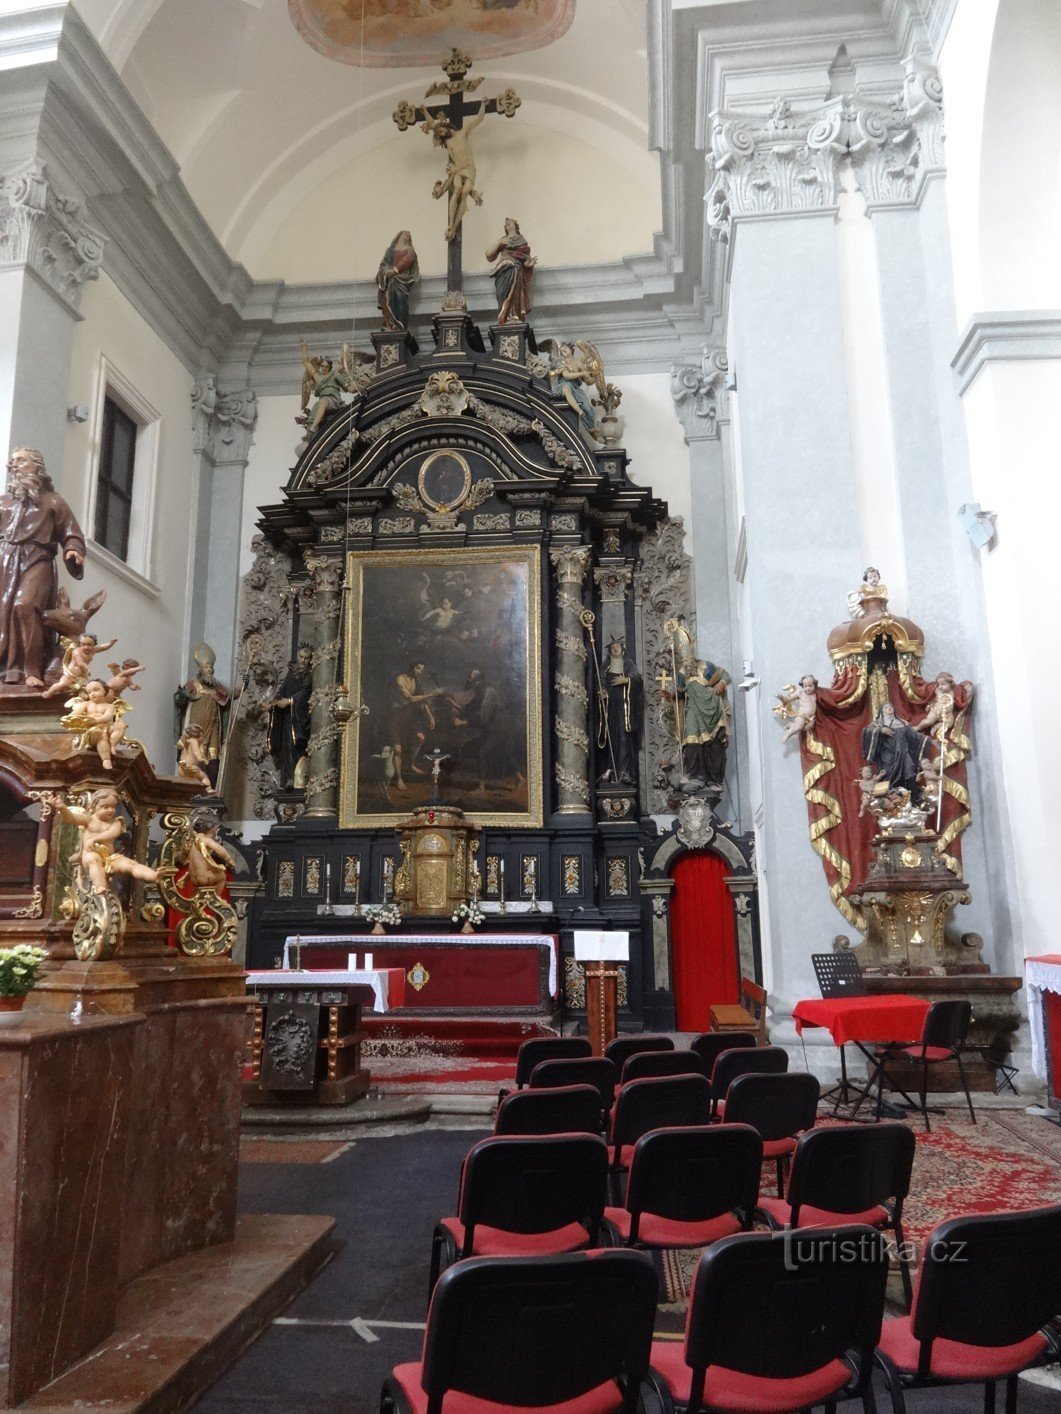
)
(513, 272)
(396, 280)
(798, 706)
(77, 663)
(36, 526)
(101, 828)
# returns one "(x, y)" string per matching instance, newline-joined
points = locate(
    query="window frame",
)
(137, 566)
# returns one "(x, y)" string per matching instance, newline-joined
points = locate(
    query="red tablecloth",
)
(887, 1018)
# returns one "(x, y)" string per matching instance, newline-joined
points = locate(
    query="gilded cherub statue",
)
(798, 706)
(870, 595)
(77, 663)
(96, 718)
(101, 829)
(209, 861)
(192, 760)
(121, 677)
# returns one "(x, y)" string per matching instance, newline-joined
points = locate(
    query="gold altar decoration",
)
(438, 845)
(98, 918)
(209, 925)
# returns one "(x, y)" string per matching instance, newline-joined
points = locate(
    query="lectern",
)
(600, 954)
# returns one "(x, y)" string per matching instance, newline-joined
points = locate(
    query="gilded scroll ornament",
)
(209, 925)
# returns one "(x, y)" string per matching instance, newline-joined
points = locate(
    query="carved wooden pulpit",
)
(437, 869)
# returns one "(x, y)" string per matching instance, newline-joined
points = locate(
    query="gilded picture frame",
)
(444, 648)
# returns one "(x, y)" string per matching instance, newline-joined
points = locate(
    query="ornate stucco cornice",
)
(45, 229)
(701, 395)
(787, 162)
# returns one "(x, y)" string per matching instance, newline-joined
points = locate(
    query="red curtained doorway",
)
(703, 939)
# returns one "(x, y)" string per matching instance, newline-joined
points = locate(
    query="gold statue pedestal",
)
(437, 870)
(907, 899)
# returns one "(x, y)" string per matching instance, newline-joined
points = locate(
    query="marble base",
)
(179, 1327)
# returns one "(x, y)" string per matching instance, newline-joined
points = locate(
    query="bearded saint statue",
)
(36, 525)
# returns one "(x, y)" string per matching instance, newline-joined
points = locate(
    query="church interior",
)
(544, 900)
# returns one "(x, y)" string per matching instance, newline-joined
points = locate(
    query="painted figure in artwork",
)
(459, 181)
(101, 829)
(895, 748)
(513, 272)
(619, 715)
(799, 705)
(202, 700)
(396, 280)
(77, 663)
(289, 720)
(410, 721)
(36, 527)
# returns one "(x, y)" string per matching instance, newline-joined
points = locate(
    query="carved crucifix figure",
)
(446, 124)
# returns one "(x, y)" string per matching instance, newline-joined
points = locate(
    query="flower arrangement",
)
(19, 966)
(468, 913)
(383, 915)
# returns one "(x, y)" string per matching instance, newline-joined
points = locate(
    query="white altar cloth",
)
(376, 978)
(369, 942)
(1043, 975)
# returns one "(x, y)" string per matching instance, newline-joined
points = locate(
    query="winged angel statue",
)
(577, 372)
(326, 382)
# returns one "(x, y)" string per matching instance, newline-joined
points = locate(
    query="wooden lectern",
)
(599, 955)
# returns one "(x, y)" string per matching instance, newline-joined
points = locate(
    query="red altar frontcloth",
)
(868, 1019)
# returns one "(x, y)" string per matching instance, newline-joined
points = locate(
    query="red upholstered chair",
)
(597, 1071)
(779, 1107)
(763, 1060)
(689, 1186)
(543, 1048)
(622, 1048)
(854, 1173)
(942, 1037)
(649, 1064)
(987, 1290)
(568, 1334)
(710, 1045)
(780, 1323)
(525, 1195)
(568, 1109)
(661, 1103)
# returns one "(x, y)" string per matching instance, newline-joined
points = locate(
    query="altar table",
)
(865, 1021)
(306, 1037)
(449, 973)
(1044, 1018)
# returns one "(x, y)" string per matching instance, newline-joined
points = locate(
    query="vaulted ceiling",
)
(295, 162)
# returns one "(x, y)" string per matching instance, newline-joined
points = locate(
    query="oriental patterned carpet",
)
(1007, 1162)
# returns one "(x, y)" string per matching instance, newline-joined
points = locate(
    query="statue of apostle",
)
(705, 723)
(36, 525)
(199, 702)
(512, 273)
(895, 748)
(619, 716)
(289, 714)
(396, 279)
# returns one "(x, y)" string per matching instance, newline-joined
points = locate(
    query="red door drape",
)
(703, 939)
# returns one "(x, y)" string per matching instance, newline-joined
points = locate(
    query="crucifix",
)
(445, 123)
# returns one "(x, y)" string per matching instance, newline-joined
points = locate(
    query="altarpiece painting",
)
(443, 647)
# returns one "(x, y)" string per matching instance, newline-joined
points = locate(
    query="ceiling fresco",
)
(403, 33)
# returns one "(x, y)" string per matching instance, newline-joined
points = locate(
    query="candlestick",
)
(357, 887)
(501, 880)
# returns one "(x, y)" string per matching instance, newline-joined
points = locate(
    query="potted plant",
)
(383, 916)
(470, 914)
(19, 966)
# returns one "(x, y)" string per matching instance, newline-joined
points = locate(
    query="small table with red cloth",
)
(864, 1021)
(1044, 1019)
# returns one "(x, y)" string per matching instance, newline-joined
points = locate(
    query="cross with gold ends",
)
(445, 123)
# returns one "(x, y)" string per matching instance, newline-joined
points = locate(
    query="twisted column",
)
(322, 787)
(572, 700)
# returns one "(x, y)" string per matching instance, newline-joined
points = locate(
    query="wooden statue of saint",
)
(619, 716)
(289, 720)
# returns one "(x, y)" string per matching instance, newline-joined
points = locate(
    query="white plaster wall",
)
(148, 619)
(655, 443)
(272, 455)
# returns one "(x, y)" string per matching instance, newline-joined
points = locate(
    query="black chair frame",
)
(946, 1027)
(566, 1109)
(777, 1107)
(709, 1045)
(764, 1060)
(597, 1071)
(541, 1048)
(650, 1065)
(622, 1048)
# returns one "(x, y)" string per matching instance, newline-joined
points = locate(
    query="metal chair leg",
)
(989, 1397)
(895, 1384)
(924, 1096)
(1011, 1395)
(904, 1265)
(965, 1086)
(781, 1176)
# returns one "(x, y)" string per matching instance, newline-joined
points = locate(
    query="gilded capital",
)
(613, 583)
(570, 563)
(327, 572)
